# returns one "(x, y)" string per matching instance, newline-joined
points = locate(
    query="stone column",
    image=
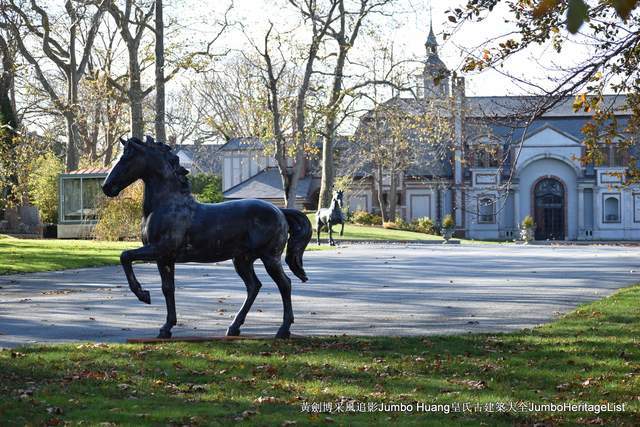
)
(581, 213)
(597, 213)
(458, 92)
(516, 208)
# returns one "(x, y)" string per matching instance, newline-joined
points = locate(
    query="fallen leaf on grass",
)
(591, 421)
(266, 399)
(472, 384)
(246, 414)
(267, 369)
(587, 382)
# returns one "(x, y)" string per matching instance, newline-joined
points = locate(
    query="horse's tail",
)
(300, 232)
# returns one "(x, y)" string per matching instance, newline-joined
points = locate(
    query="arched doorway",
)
(549, 199)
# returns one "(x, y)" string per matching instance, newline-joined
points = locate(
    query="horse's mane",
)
(172, 160)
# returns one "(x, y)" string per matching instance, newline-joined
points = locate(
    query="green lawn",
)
(27, 256)
(362, 232)
(590, 356)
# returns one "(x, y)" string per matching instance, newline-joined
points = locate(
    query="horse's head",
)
(337, 196)
(138, 160)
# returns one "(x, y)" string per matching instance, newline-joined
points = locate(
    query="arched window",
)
(611, 209)
(486, 211)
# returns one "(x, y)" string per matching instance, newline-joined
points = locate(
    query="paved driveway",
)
(357, 290)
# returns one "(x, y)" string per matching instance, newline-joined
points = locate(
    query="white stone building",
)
(498, 171)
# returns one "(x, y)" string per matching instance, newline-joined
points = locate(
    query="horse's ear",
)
(182, 171)
(149, 140)
(123, 141)
(135, 144)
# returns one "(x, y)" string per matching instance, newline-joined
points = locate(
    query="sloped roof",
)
(267, 184)
(90, 171)
(507, 106)
(205, 157)
(504, 106)
(243, 143)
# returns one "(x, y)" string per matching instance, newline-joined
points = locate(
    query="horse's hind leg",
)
(342, 228)
(318, 227)
(244, 268)
(273, 265)
(331, 241)
(167, 273)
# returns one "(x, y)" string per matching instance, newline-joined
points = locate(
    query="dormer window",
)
(486, 153)
(613, 156)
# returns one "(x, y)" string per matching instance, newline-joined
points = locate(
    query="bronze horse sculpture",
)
(331, 216)
(176, 228)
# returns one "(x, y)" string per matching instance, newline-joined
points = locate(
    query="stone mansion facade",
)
(496, 173)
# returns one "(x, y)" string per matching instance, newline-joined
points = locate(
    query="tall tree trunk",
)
(109, 135)
(328, 172)
(92, 142)
(393, 196)
(330, 132)
(8, 116)
(328, 143)
(70, 116)
(71, 155)
(135, 94)
(160, 97)
(345, 43)
(295, 178)
(380, 192)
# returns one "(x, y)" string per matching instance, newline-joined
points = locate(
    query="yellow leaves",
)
(579, 102)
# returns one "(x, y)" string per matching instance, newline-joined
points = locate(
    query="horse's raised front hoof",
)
(145, 297)
(164, 333)
(233, 331)
(283, 334)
